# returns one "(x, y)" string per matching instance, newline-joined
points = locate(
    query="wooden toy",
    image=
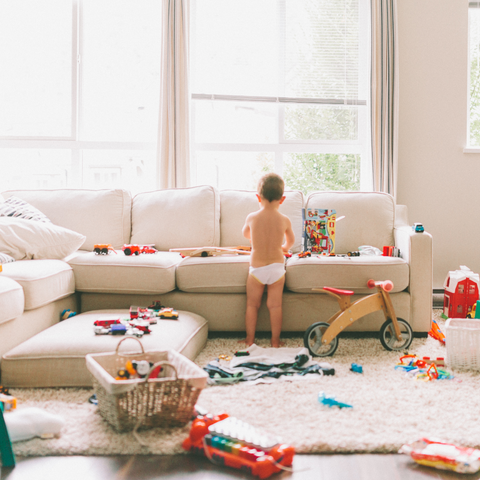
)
(210, 251)
(321, 338)
(228, 441)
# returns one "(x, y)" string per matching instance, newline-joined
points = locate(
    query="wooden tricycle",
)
(321, 338)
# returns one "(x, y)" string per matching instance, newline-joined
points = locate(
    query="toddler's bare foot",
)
(277, 343)
(247, 342)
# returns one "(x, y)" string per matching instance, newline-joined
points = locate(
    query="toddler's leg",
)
(274, 304)
(254, 299)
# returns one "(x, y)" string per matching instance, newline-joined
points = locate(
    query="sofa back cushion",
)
(103, 216)
(235, 205)
(177, 218)
(369, 218)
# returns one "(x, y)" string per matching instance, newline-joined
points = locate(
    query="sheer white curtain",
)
(384, 98)
(173, 153)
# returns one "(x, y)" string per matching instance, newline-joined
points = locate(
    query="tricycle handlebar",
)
(387, 285)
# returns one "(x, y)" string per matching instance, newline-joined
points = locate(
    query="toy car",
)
(156, 305)
(103, 249)
(304, 254)
(134, 249)
(168, 313)
(106, 323)
(353, 254)
(418, 228)
(140, 312)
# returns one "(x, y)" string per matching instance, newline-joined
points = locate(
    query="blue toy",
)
(67, 314)
(356, 368)
(329, 401)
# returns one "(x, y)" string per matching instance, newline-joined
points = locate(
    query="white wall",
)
(437, 181)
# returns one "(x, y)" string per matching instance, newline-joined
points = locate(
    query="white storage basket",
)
(462, 339)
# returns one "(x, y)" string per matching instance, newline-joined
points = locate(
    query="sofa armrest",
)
(416, 250)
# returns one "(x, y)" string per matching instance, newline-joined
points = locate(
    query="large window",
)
(79, 93)
(281, 85)
(473, 135)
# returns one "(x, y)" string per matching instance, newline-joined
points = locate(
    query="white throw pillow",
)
(26, 239)
(16, 207)
(4, 258)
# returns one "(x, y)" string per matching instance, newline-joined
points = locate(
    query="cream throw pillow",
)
(38, 240)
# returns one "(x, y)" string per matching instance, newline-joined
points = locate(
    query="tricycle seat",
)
(338, 291)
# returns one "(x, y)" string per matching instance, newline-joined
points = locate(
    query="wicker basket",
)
(462, 339)
(167, 401)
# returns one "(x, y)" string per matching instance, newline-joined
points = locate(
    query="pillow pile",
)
(16, 207)
(21, 238)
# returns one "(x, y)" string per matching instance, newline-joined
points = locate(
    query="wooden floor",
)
(189, 467)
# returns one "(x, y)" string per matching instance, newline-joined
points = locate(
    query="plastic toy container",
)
(138, 403)
(463, 343)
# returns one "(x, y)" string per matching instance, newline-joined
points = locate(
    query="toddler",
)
(271, 235)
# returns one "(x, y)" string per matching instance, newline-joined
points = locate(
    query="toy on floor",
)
(210, 251)
(356, 368)
(330, 401)
(436, 333)
(442, 455)
(7, 457)
(7, 402)
(103, 249)
(321, 338)
(231, 442)
(424, 369)
(461, 292)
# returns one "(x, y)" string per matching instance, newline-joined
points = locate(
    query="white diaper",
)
(269, 273)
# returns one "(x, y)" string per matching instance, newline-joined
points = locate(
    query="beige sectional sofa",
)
(34, 292)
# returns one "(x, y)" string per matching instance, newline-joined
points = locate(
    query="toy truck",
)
(103, 249)
(134, 249)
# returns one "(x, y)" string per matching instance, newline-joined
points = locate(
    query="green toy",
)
(6, 453)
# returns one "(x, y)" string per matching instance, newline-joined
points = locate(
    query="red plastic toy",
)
(223, 440)
(137, 249)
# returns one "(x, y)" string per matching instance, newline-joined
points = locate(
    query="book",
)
(319, 231)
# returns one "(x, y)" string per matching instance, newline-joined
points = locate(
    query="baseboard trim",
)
(437, 297)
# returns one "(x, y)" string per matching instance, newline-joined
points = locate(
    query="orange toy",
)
(228, 441)
(436, 333)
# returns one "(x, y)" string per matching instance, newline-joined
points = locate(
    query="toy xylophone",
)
(231, 442)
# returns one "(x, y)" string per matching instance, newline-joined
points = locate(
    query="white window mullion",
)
(75, 59)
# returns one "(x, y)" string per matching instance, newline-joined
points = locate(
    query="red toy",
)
(137, 249)
(461, 292)
(107, 322)
(223, 440)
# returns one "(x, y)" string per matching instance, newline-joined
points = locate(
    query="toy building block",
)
(210, 251)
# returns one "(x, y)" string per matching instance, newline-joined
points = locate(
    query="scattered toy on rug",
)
(443, 455)
(330, 401)
(7, 402)
(228, 441)
(424, 369)
(356, 368)
(436, 332)
(27, 423)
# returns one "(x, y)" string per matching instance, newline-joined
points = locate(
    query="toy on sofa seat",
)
(103, 249)
(395, 334)
(135, 249)
(210, 251)
(231, 442)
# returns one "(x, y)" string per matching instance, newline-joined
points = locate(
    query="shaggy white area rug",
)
(389, 409)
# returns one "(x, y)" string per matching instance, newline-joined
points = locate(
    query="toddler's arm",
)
(246, 229)
(289, 236)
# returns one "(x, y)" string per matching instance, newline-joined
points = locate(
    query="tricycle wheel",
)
(313, 340)
(389, 339)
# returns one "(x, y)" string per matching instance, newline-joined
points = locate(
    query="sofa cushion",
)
(222, 273)
(235, 205)
(369, 218)
(12, 299)
(43, 281)
(177, 218)
(350, 273)
(119, 273)
(103, 216)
